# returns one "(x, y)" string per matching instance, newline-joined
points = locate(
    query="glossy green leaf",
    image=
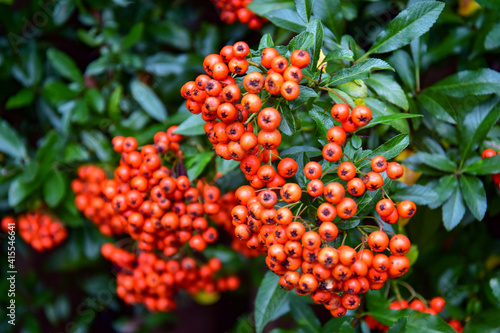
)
(148, 100)
(482, 81)
(389, 149)
(316, 28)
(95, 100)
(10, 141)
(269, 300)
(405, 68)
(360, 70)
(62, 11)
(266, 41)
(411, 23)
(133, 35)
(330, 13)
(487, 166)
(382, 109)
(18, 191)
(304, 316)
(444, 189)
(302, 41)
(98, 143)
(287, 19)
(339, 54)
(310, 151)
(438, 105)
(476, 124)
(23, 97)
(304, 9)
(64, 65)
(54, 188)
(261, 7)
(191, 126)
(453, 210)
(323, 122)
(420, 195)
(492, 40)
(196, 164)
(474, 195)
(287, 124)
(389, 119)
(387, 88)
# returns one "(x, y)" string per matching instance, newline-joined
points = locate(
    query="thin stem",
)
(328, 171)
(262, 68)
(312, 80)
(396, 290)
(251, 117)
(333, 92)
(343, 240)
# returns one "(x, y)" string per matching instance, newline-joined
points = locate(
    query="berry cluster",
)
(434, 307)
(153, 281)
(490, 153)
(227, 111)
(332, 276)
(148, 201)
(37, 229)
(233, 10)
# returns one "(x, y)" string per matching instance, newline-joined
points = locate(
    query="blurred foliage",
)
(76, 73)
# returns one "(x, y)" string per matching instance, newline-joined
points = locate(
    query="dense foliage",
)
(76, 74)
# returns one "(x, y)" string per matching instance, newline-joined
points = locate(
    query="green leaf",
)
(404, 66)
(57, 91)
(316, 28)
(342, 94)
(389, 149)
(266, 41)
(330, 13)
(304, 316)
(420, 195)
(485, 320)
(287, 124)
(302, 41)
(444, 189)
(492, 40)
(114, 102)
(310, 151)
(386, 87)
(54, 188)
(95, 100)
(148, 100)
(18, 191)
(261, 7)
(453, 210)
(191, 126)
(323, 122)
(196, 164)
(493, 4)
(474, 195)
(97, 142)
(483, 167)
(268, 301)
(360, 70)
(64, 65)
(339, 54)
(411, 23)
(304, 8)
(389, 119)
(75, 153)
(438, 105)
(62, 11)
(23, 97)
(10, 141)
(399, 326)
(305, 93)
(287, 19)
(356, 142)
(476, 125)
(133, 36)
(482, 81)
(338, 325)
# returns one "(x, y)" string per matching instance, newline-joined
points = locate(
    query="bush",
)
(86, 83)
